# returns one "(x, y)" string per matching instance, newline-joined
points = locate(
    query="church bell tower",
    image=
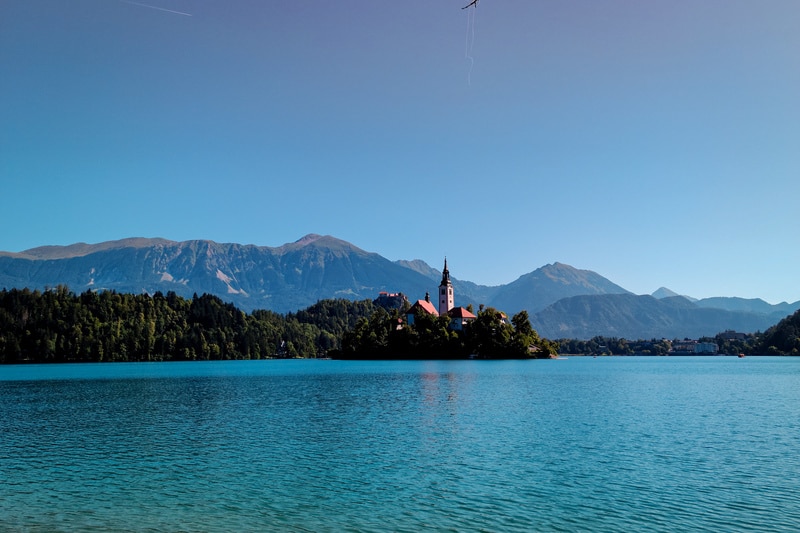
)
(446, 299)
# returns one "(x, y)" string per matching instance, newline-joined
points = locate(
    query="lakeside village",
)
(460, 317)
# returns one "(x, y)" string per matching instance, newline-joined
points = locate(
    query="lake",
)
(583, 444)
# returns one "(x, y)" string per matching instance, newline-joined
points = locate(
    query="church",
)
(459, 316)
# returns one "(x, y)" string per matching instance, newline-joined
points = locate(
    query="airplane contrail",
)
(156, 7)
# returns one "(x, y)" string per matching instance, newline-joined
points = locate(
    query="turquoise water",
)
(584, 444)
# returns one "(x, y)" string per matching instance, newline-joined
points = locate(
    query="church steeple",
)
(445, 273)
(446, 299)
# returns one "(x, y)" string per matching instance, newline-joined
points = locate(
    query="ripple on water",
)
(580, 445)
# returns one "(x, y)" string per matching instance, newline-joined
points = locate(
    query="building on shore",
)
(706, 348)
(731, 335)
(693, 347)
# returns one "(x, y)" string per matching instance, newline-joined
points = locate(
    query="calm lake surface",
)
(584, 444)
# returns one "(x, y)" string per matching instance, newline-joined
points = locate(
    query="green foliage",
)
(526, 341)
(58, 326)
(615, 346)
(781, 339)
(489, 336)
(386, 336)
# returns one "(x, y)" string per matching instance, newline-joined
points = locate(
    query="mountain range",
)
(562, 301)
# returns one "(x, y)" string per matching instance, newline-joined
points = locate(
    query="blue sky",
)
(656, 143)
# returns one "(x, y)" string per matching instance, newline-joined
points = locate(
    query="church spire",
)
(446, 299)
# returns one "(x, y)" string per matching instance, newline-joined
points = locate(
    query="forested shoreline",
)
(489, 336)
(781, 339)
(57, 325)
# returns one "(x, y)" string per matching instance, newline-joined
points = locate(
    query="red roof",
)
(425, 306)
(460, 312)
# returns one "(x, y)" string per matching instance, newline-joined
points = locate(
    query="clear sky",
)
(656, 143)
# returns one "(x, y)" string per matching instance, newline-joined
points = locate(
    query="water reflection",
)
(329, 446)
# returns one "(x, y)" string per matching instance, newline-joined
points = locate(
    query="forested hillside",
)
(59, 326)
(782, 338)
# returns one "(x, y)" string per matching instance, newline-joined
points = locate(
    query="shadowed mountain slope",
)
(549, 284)
(285, 278)
(639, 317)
(563, 301)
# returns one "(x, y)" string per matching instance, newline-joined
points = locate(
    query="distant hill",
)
(549, 284)
(750, 305)
(639, 317)
(731, 303)
(563, 301)
(664, 292)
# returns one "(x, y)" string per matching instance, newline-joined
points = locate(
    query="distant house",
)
(686, 346)
(706, 348)
(459, 316)
(730, 335)
(693, 347)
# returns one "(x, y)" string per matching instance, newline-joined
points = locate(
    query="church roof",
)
(425, 306)
(460, 312)
(445, 274)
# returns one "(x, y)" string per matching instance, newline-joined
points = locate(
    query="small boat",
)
(741, 356)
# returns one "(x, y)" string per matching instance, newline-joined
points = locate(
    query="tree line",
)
(385, 335)
(56, 325)
(601, 345)
(780, 339)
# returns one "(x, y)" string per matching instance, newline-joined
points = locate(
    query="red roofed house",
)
(460, 317)
(421, 306)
